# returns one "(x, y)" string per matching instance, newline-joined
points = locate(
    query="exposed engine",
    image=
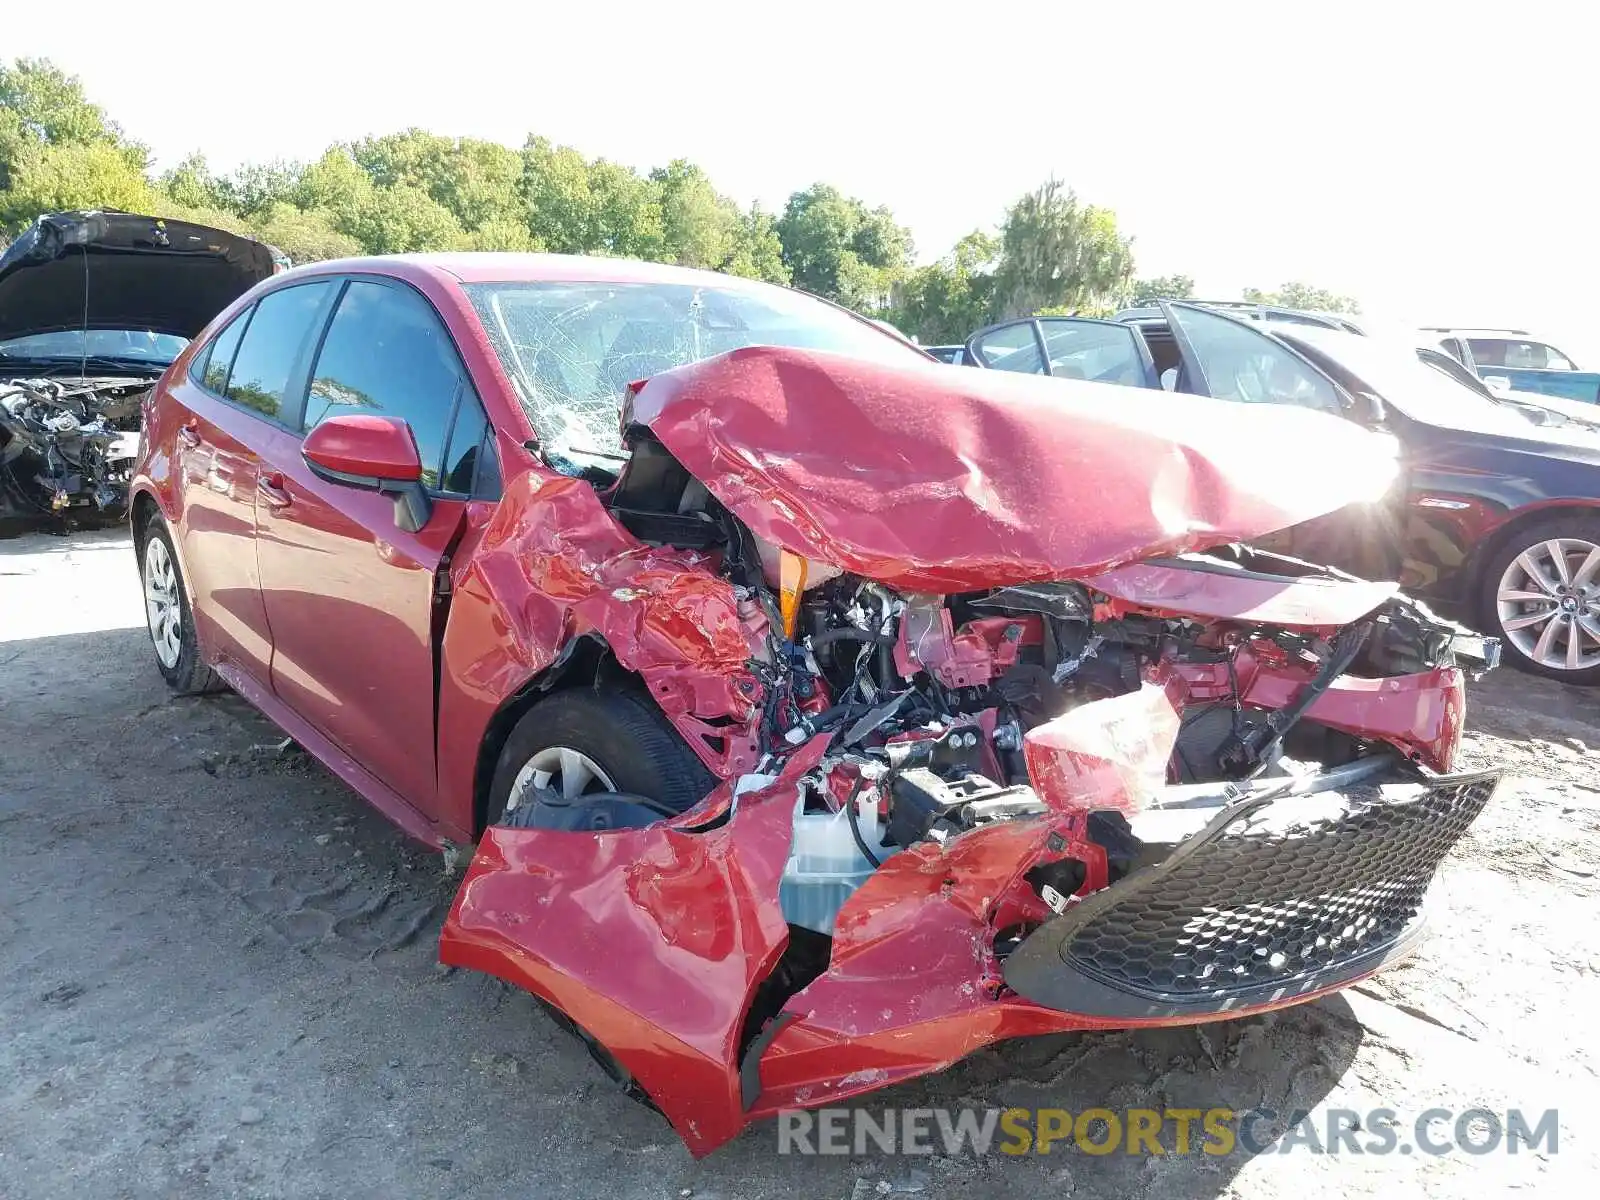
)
(67, 446)
(853, 658)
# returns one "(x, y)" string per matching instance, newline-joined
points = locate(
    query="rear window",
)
(275, 342)
(1518, 354)
(216, 359)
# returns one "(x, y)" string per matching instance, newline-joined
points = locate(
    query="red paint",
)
(974, 657)
(318, 609)
(1308, 602)
(1107, 755)
(364, 445)
(1420, 715)
(932, 480)
(598, 924)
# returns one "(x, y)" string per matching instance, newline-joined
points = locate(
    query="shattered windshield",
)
(571, 349)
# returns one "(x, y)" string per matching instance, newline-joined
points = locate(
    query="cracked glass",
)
(572, 348)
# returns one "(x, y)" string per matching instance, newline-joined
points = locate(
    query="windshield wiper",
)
(611, 454)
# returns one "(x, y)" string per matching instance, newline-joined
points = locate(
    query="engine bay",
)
(927, 701)
(67, 446)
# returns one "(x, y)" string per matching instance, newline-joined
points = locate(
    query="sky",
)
(1436, 161)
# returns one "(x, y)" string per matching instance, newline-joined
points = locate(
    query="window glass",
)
(1243, 364)
(283, 324)
(386, 352)
(219, 355)
(572, 348)
(1081, 350)
(466, 440)
(1511, 352)
(1012, 348)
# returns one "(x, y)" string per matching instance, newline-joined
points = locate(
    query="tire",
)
(621, 733)
(1565, 551)
(177, 652)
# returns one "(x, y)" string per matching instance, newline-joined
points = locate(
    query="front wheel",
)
(614, 746)
(1541, 595)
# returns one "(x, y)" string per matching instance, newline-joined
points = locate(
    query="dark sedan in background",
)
(1495, 513)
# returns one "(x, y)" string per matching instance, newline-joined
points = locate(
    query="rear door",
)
(1066, 348)
(232, 399)
(1234, 360)
(351, 598)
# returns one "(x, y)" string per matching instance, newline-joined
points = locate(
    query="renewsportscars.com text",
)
(1148, 1131)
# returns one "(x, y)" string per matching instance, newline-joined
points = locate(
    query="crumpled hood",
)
(113, 270)
(934, 479)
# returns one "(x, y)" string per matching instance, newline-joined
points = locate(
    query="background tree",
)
(834, 246)
(1303, 295)
(1162, 287)
(950, 299)
(1058, 253)
(758, 251)
(84, 175)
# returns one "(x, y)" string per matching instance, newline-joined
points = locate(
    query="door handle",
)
(189, 435)
(272, 491)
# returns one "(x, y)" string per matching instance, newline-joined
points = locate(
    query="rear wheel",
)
(169, 616)
(1541, 595)
(583, 743)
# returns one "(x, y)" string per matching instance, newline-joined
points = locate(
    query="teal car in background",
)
(1510, 360)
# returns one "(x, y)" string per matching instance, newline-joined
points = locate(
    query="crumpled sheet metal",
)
(934, 480)
(1308, 602)
(1111, 754)
(551, 566)
(654, 940)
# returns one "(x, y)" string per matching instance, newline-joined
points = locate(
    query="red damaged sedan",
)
(819, 714)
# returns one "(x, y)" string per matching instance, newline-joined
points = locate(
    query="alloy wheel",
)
(561, 769)
(161, 605)
(1548, 603)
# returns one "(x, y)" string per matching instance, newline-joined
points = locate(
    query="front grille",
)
(1264, 901)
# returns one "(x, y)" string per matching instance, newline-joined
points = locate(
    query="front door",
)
(351, 597)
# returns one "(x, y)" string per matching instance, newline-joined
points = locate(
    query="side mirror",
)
(1499, 384)
(375, 454)
(1370, 408)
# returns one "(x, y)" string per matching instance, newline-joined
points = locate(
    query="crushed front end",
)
(1176, 787)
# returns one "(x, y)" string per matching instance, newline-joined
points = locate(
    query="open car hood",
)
(114, 270)
(934, 480)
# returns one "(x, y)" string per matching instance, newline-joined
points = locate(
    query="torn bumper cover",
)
(1203, 903)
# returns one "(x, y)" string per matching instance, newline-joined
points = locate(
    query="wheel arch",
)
(142, 508)
(585, 661)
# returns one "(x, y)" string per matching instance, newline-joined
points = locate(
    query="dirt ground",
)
(217, 978)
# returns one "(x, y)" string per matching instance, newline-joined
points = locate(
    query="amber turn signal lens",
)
(791, 583)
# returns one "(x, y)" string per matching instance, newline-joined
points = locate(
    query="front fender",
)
(653, 940)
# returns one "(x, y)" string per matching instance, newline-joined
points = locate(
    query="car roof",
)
(1261, 313)
(1470, 331)
(489, 267)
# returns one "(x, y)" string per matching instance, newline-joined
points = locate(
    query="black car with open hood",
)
(93, 306)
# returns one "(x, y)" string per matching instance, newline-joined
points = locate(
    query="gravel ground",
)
(217, 977)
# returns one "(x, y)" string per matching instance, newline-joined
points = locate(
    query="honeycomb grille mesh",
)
(1255, 907)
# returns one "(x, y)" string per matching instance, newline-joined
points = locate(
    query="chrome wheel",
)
(1548, 603)
(561, 769)
(161, 605)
